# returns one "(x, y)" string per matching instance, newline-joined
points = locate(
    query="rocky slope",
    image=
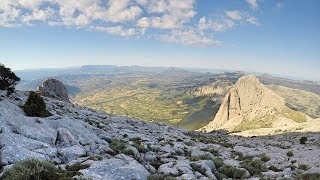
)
(116, 147)
(251, 105)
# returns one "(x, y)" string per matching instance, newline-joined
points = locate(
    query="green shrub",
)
(218, 162)
(289, 154)
(275, 169)
(198, 168)
(255, 167)
(232, 172)
(310, 176)
(35, 106)
(32, 169)
(156, 163)
(212, 151)
(303, 167)
(265, 158)
(118, 146)
(303, 140)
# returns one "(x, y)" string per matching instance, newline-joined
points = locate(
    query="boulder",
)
(168, 169)
(54, 89)
(65, 138)
(206, 166)
(71, 153)
(118, 168)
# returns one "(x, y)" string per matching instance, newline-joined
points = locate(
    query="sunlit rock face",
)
(247, 100)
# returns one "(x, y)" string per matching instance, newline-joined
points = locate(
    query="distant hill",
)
(309, 86)
(88, 69)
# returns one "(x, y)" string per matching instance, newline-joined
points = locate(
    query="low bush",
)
(35, 106)
(289, 154)
(310, 176)
(255, 167)
(218, 162)
(156, 163)
(33, 169)
(118, 146)
(232, 172)
(265, 158)
(303, 140)
(275, 169)
(303, 167)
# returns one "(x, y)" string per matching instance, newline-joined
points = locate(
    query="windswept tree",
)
(8, 79)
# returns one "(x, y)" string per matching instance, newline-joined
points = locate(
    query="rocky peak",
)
(54, 89)
(247, 100)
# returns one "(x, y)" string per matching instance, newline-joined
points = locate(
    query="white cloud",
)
(190, 37)
(120, 31)
(253, 20)
(220, 26)
(38, 15)
(167, 20)
(253, 3)
(234, 15)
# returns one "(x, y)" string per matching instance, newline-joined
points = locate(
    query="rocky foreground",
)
(115, 147)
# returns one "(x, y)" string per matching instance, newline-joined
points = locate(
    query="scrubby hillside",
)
(108, 147)
(303, 101)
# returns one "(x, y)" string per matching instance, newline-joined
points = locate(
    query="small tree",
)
(35, 106)
(8, 79)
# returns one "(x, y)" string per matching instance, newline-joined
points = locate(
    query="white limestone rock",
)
(118, 168)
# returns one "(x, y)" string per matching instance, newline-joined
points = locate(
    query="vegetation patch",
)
(8, 79)
(255, 167)
(303, 167)
(289, 154)
(232, 172)
(156, 163)
(212, 151)
(265, 158)
(118, 146)
(303, 140)
(310, 176)
(137, 99)
(33, 169)
(35, 106)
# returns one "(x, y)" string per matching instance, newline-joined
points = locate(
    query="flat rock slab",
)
(119, 168)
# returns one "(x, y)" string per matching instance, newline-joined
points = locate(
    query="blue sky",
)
(272, 36)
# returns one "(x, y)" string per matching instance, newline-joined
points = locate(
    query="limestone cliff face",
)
(247, 100)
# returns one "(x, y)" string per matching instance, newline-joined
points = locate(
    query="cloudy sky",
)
(273, 36)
